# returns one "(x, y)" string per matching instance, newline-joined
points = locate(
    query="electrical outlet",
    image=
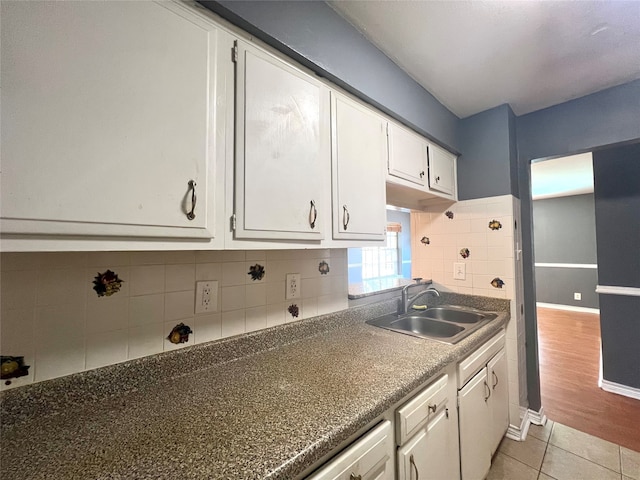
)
(459, 271)
(206, 296)
(293, 286)
(577, 296)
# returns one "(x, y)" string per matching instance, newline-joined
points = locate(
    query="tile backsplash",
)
(52, 316)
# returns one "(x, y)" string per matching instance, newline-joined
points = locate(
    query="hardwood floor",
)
(569, 356)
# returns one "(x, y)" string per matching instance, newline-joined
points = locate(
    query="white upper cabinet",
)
(108, 121)
(282, 149)
(407, 155)
(442, 164)
(359, 155)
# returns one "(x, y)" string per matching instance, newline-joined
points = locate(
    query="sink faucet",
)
(406, 301)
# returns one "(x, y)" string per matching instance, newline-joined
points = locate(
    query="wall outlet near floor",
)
(577, 296)
(292, 286)
(459, 271)
(206, 296)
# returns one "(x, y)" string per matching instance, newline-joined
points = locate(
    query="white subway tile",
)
(146, 309)
(278, 255)
(233, 256)
(208, 256)
(310, 307)
(310, 287)
(19, 261)
(325, 286)
(233, 323)
(59, 286)
(147, 258)
(146, 340)
(58, 356)
(179, 257)
(256, 318)
(179, 277)
(110, 259)
(106, 348)
(232, 298)
(309, 268)
(18, 289)
(178, 305)
(59, 321)
(146, 280)
(256, 256)
(54, 260)
(275, 314)
(207, 327)
(209, 271)
(256, 295)
(275, 292)
(234, 273)
(106, 314)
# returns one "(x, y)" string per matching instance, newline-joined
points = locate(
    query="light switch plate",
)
(459, 271)
(292, 286)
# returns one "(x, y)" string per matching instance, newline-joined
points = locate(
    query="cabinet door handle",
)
(413, 464)
(313, 214)
(446, 410)
(437, 179)
(345, 217)
(495, 378)
(192, 186)
(353, 476)
(422, 174)
(488, 390)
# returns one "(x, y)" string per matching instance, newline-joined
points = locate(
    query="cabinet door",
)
(499, 401)
(108, 114)
(441, 170)
(430, 454)
(474, 413)
(282, 159)
(358, 177)
(407, 154)
(369, 458)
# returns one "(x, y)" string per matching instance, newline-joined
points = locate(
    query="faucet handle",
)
(418, 279)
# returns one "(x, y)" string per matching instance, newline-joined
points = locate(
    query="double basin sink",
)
(444, 323)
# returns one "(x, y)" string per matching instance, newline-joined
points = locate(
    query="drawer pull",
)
(353, 476)
(413, 464)
(433, 408)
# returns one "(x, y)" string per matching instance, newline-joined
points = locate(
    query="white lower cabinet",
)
(369, 458)
(483, 407)
(427, 434)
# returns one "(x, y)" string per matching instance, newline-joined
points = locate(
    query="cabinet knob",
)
(313, 215)
(433, 408)
(192, 186)
(345, 217)
(353, 476)
(437, 179)
(422, 174)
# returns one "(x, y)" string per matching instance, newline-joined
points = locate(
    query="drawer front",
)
(468, 367)
(369, 458)
(421, 409)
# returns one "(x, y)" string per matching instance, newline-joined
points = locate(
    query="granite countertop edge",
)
(30, 404)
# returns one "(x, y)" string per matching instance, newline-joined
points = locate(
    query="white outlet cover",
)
(293, 286)
(206, 300)
(459, 271)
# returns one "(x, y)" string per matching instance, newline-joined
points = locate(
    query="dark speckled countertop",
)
(262, 405)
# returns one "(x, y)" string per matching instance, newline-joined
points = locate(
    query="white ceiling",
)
(562, 177)
(475, 55)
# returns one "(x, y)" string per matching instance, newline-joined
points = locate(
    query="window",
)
(382, 262)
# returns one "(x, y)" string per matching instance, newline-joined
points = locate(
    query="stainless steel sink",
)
(448, 324)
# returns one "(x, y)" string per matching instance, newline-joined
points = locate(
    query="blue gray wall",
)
(313, 34)
(617, 207)
(564, 231)
(488, 164)
(586, 124)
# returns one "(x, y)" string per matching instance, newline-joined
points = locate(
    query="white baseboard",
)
(519, 433)
(570, 308)
(625, 390)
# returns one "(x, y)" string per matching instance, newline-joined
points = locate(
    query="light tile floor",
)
(558, 452)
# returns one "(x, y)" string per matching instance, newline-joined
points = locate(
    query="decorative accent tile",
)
(180, 334)
(449, 214)
(425, 241)
(495, 225)
(497, 282)
(12, 367)
(323, 267)
(256, 272)
(464, 253)
(294, 310)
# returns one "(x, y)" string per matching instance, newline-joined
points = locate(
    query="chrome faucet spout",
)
(406, 301)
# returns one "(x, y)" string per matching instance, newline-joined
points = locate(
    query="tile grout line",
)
(546, 447)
